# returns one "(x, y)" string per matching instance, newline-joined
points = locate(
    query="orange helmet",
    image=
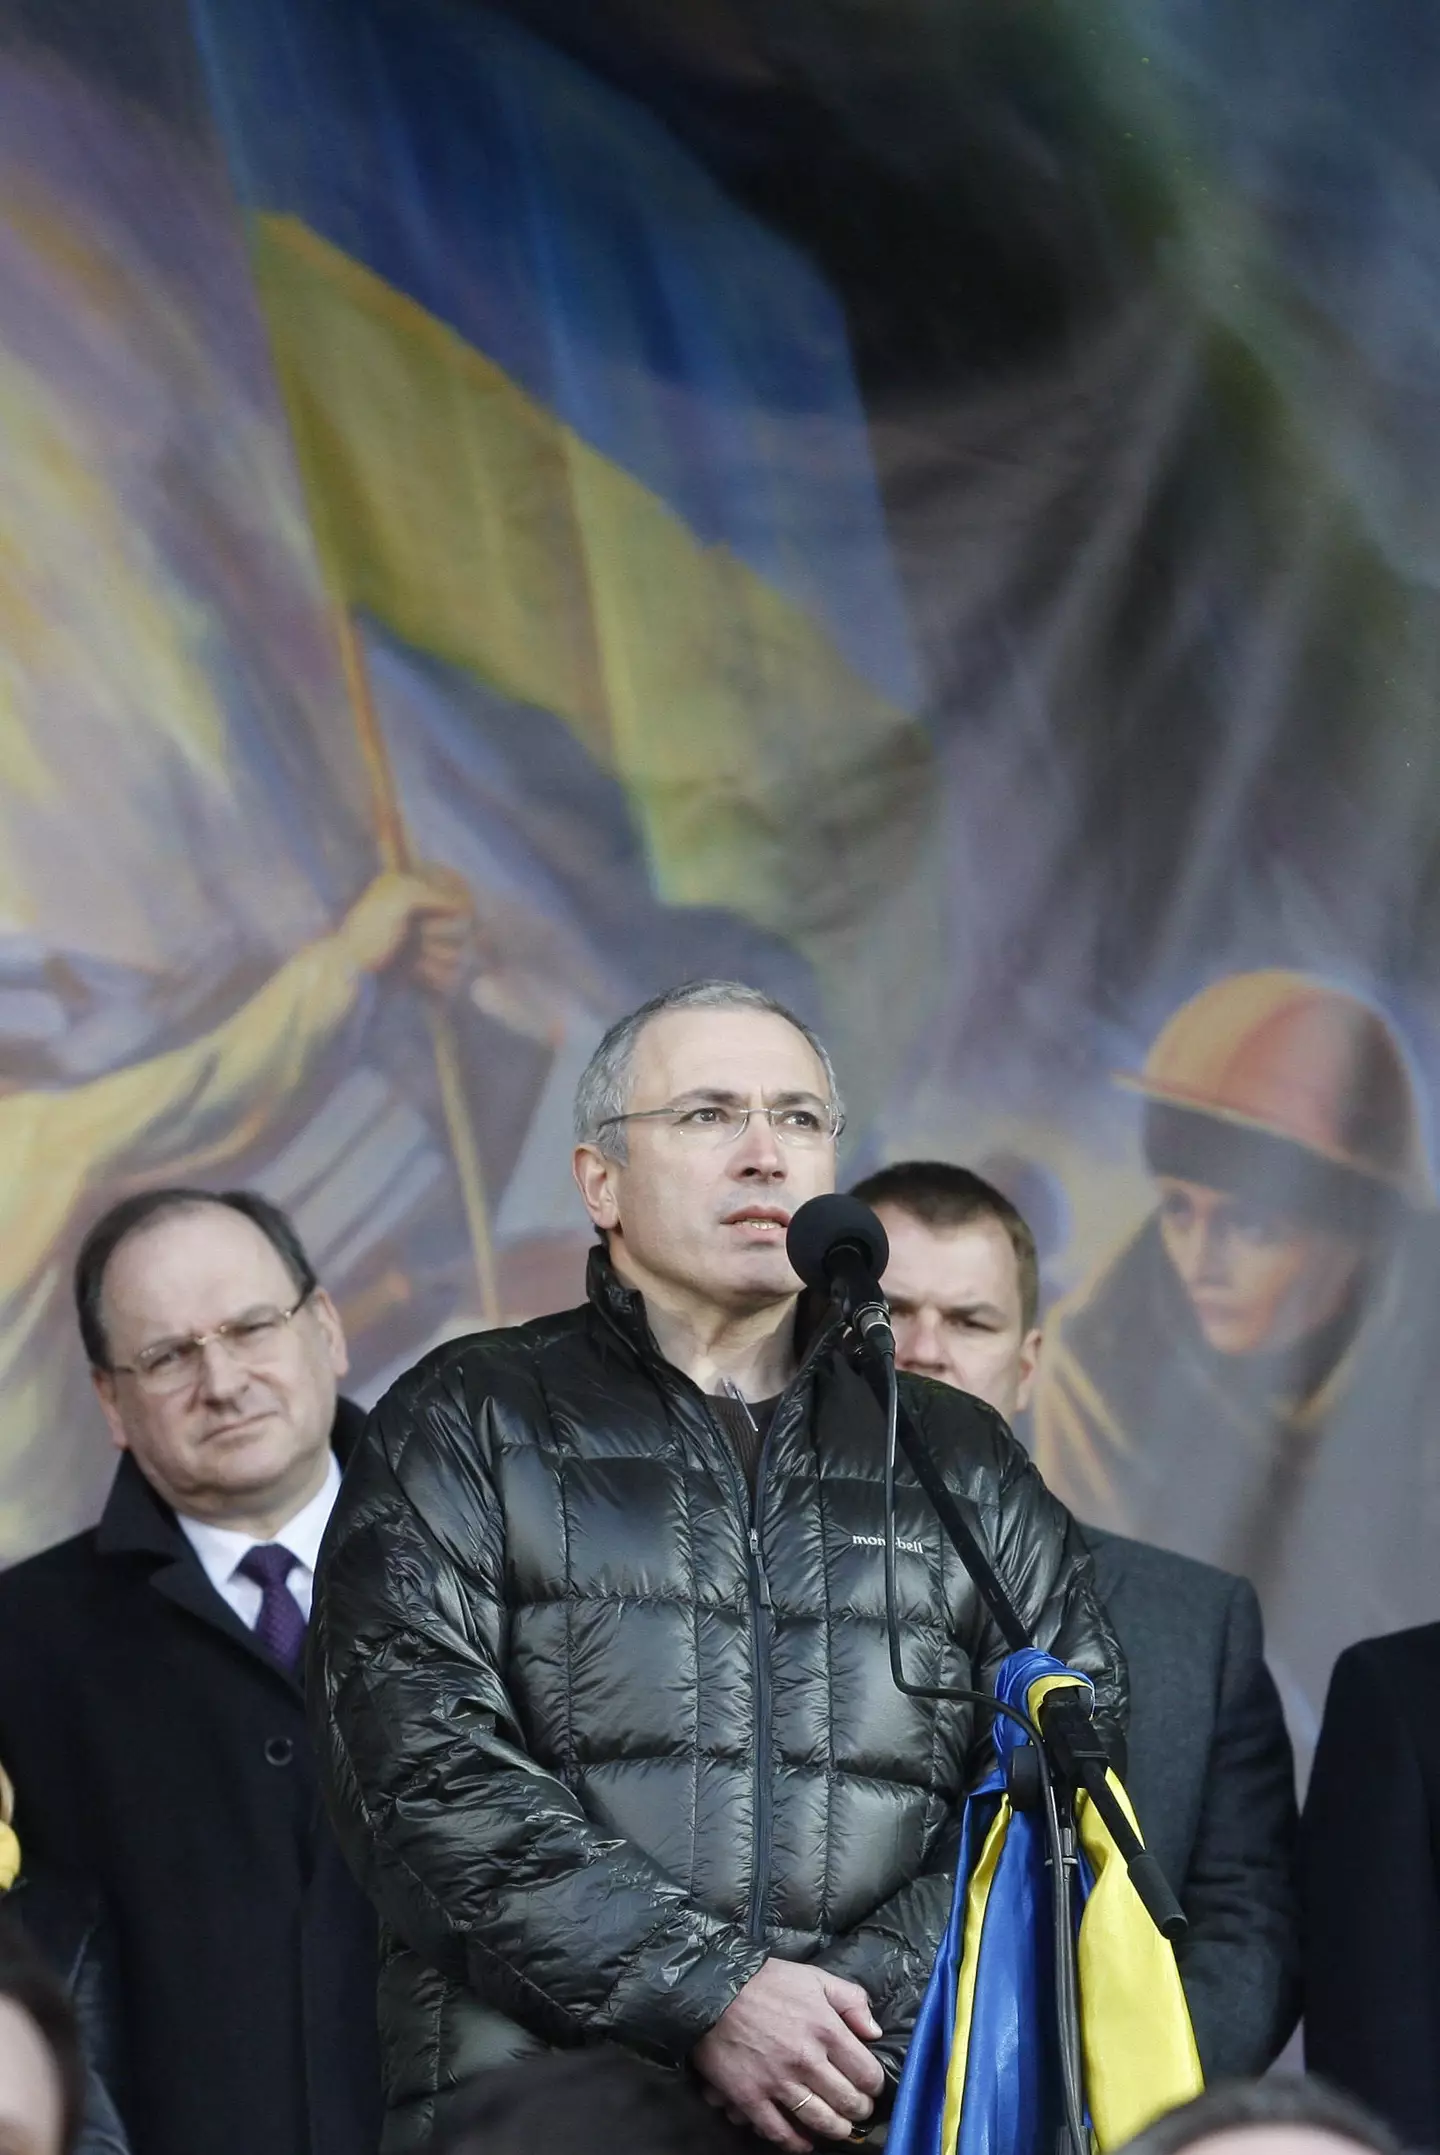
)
(1297, 1059)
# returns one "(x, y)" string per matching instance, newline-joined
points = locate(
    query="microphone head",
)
(826, 1226)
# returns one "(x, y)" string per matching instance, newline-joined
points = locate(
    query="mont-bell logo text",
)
(877, 1541)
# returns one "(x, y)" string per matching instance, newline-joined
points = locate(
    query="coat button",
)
(279, 1750)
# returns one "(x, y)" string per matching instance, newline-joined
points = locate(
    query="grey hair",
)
(604, 1088)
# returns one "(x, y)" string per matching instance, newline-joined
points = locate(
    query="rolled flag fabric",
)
(982, 2076)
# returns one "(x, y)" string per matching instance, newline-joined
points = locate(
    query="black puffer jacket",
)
(596, 1744)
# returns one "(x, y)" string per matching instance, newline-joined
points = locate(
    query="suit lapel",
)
(136, 1522)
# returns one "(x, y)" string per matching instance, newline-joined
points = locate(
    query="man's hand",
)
(787, 2056)
(429, 918)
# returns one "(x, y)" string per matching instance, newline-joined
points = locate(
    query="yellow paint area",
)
(464, 516)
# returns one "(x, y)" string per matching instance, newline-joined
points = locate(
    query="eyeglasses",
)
(709, 1124)
(173, 1365)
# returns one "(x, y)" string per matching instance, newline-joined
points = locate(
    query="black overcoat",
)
(158, 1751)
(1370, 1875)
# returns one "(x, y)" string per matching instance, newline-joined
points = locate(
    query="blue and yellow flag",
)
(573, 426)
(982, 2075)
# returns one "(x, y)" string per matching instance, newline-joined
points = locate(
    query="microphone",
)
(838, 1245)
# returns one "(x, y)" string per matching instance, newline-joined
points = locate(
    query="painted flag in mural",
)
(496, 490)
(574, 427)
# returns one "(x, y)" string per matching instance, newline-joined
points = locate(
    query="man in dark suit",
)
(1370, 1883)
(150, 1696)
(1209, 1766)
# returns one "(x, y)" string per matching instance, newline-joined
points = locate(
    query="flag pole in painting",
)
(393, 845)
(575, 430)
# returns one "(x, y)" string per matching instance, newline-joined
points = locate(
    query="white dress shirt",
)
(221, 1551)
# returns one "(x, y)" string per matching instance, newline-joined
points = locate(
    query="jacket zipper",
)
(761, 1611)
(761, 1624)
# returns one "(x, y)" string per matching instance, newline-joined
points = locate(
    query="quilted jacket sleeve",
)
(1036, 1549)
(481, 1861)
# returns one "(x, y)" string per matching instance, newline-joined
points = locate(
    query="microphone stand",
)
(1068, 1754)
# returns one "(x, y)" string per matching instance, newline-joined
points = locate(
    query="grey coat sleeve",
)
(1240, 1958)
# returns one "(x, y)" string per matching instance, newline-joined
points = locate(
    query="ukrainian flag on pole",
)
(573, 424)
(982, 2074)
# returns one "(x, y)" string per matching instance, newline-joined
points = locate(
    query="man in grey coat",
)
(1209, 1769)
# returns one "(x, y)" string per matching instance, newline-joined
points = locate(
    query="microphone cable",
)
(1062, 1858)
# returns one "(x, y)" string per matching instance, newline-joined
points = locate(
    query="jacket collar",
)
(622, 1309)
(347, 1430)
(137, 1521)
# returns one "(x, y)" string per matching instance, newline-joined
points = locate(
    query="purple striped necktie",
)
(280, 1626)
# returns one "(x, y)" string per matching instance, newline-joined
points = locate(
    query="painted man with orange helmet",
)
(1252, 1379)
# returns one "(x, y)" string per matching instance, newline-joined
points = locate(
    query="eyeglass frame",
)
(201, 1340)
(674, 1112)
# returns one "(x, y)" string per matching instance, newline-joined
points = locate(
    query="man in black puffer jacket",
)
(599, 1666)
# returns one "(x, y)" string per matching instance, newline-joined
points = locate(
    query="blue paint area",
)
(563, 232)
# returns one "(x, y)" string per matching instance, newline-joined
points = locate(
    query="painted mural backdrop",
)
(419, 461)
